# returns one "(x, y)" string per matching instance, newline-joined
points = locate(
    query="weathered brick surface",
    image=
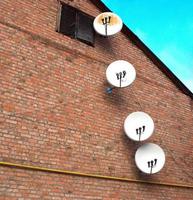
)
(40, 185)
(54, 111)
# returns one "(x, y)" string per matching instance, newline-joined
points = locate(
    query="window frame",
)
(78, 13)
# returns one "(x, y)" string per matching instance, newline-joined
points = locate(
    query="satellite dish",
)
(107, 23)
(138, 126)
(150, 158)
(120, 73)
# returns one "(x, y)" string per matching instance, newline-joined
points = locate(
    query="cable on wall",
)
(66, 172)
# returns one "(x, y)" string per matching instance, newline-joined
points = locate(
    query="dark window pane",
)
(84, 29)
(68, 20)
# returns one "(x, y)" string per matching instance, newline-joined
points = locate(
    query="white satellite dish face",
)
(150, 158)
(107, 24)
(120, 73)
(138, 126)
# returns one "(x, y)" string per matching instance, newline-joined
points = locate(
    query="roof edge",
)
(148, 53)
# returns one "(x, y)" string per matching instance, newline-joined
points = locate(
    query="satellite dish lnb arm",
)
(106, 21)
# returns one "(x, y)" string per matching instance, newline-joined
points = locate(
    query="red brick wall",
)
(54, 112)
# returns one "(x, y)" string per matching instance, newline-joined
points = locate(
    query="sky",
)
(166, 27)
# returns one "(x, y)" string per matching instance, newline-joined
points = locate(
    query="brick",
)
(54, 112)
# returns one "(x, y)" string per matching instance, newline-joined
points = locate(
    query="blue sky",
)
(166, 27)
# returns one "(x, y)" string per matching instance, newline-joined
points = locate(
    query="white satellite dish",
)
(120, 73)
(107, 24)
(150, 158)
(138, 126)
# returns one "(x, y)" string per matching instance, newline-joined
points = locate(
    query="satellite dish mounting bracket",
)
(109, 90)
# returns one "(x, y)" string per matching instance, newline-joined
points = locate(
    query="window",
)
(75, 23)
